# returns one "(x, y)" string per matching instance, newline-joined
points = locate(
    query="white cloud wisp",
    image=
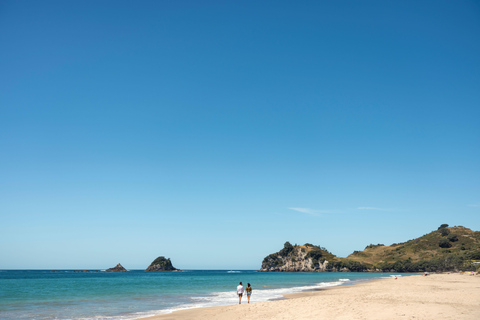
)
(311, 212)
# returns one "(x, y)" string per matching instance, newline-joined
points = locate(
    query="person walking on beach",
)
(248, 289)
(240, 293)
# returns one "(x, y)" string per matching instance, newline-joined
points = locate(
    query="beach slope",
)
(438, 296)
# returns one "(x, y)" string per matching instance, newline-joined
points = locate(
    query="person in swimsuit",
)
(249, 291)
(240, 293)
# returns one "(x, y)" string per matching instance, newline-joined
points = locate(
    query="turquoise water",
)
(42, 295)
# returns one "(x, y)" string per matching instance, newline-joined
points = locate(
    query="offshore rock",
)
(161, 264)
(117, 268)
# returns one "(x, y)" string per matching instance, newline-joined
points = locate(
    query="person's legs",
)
(240, 298)
(248, 296)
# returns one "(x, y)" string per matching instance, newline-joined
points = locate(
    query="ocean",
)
(41, 294)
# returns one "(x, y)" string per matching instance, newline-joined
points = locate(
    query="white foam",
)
(225, 298)
(234, 271)
(343, 280)
(258, 295)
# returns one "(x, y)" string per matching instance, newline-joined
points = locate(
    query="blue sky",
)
(212, 132)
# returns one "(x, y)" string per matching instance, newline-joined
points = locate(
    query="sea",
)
(42, 294)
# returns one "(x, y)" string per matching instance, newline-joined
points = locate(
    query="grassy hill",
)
(442, 250)
(321, 252)
(445, 249)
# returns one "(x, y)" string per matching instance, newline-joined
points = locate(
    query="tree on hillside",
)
(452, 237)
(444, 243)
(287, 248)
(443, 226)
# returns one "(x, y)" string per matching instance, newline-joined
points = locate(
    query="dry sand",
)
(438, 296)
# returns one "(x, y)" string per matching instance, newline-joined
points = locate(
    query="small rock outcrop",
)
(117, 268)
(161, 264)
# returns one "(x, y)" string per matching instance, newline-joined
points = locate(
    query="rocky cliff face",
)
(307, 258)
(117, 268)
(161, 264)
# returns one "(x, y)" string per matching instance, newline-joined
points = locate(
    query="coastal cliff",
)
(306, 258)
(161, 264)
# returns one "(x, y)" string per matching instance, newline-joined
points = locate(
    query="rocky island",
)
(117, 268)
(161, 264)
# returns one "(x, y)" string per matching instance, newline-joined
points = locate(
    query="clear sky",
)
(211, 132)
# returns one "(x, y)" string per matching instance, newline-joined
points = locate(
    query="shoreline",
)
(437, 296)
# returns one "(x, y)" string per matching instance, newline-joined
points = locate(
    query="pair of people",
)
(241, 290)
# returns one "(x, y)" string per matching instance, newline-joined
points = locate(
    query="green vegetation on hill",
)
(446, 249)
(319, 254)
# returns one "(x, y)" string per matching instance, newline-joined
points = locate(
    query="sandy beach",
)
(437, 296)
